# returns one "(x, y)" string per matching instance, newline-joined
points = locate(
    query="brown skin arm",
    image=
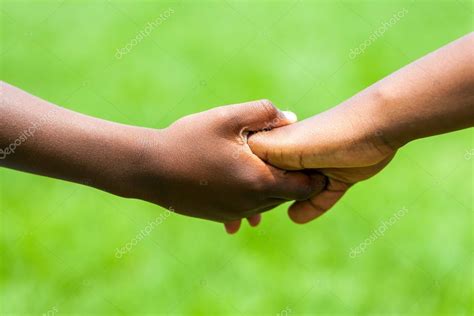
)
(356, 139)
(200, 166)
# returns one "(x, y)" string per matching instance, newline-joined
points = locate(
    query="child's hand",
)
(201, 166)
(336, 143)
(356, 139)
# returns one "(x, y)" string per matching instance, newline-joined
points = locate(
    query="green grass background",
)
(58, 240)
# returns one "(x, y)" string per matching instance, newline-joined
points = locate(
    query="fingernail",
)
(290, 116)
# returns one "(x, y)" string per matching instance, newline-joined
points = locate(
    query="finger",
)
(269, 205)
(293, 185)
(283, 147)
(233, 226)
(254, 220)
(259, 115)
(304, 211)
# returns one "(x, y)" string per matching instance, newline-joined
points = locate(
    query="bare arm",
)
(356, 139)
(431, 96)
(199, 166)
(39, 137)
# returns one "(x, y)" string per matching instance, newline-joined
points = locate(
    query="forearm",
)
(39, 137)
(189, 167)
(433, 95)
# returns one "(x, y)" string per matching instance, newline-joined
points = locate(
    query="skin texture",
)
(200, 166)
(358, 138)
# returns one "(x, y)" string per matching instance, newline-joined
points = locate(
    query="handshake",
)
(237, 161)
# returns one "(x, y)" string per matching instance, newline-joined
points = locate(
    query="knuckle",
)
(303, 189)
(231, 214)
(304, 193)
(259, 182)
(266, 103)
(269, 110)
(226, 119)
(318, 181)
(243, 209)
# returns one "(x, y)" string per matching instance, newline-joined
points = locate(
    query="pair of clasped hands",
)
(249, 158)
(237, 161)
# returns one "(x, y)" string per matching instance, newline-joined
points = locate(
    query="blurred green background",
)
(58, 240)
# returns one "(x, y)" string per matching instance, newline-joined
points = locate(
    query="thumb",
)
(260, 115)
(280, 147)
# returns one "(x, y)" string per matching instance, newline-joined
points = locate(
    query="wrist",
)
(126, 157)
(387, 132)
